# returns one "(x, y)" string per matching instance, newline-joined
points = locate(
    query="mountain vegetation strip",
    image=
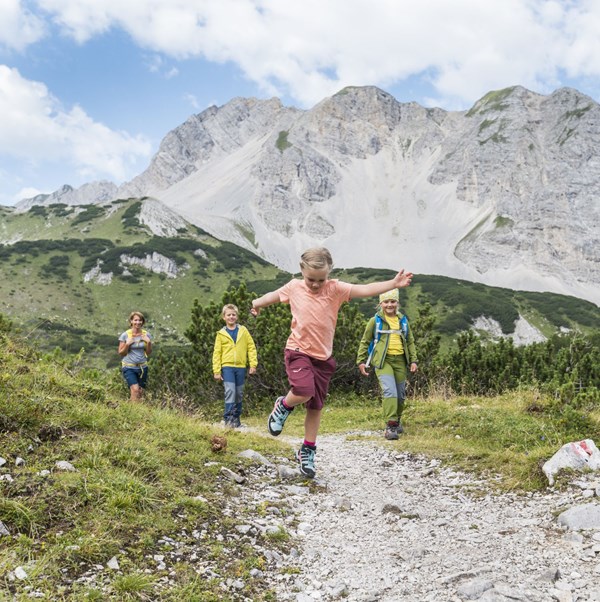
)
(72, 284)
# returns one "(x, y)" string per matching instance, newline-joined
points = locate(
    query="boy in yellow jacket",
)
(234, 350)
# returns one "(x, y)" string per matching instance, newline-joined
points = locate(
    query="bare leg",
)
(312, 421)
(292, 400)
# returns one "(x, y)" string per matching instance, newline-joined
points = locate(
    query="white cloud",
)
(26, 193)
(582, 54)
(192, 100)
(157, 64)
(35, 128)
(18, 26)
(310, 49)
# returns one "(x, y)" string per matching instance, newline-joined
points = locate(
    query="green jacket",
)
(379, 353)
(238, 354)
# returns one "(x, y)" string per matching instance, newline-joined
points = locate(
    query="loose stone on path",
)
(390, 526)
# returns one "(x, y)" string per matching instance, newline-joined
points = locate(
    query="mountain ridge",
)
(504, 193)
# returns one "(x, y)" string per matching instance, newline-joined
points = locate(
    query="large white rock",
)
(584, 516)
(577, 455)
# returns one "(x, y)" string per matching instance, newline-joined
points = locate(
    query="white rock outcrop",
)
(524, 333)
(161, 220)
(157, 263)
(577, 455)
(97, 276)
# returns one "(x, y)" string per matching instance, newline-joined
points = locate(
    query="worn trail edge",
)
(386, 526)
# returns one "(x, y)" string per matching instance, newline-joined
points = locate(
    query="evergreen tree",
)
(427, 342)
(566, 366)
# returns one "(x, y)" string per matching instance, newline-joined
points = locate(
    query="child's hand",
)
(403, 279)
(252, 371)
(218, 377)
(363, 369)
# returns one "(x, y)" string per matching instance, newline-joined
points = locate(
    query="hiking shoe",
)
(278, 417)
(391, 431)
(236, 422)
(306, 458)
(400, 427)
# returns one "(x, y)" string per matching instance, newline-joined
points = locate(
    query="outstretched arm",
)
(264, 301)
(400, 280)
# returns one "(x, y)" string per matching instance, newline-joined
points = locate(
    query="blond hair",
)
(230, 307)
(316, 258)
(137, 313)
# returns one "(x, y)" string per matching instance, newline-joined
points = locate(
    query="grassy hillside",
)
(42, 284)
(148, 512)
(146, 487)
(48, 251)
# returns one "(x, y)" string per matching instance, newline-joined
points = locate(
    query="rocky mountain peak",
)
(209, 136)
(504, 193)
(93, 192)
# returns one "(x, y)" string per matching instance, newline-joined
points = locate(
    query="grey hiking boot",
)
(400, 427)
(306, 458)
(391, 431)
(278, 417)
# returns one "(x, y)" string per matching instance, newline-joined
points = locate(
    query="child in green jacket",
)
(234, 350)
(388, 345)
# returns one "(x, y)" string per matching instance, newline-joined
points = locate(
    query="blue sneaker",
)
(306, 458)
(278, 417)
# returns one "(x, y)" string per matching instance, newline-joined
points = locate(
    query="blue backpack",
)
(379, 331)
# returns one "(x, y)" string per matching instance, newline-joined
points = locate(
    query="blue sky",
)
(88, 88)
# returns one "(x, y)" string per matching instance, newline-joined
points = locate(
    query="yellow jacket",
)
(238, 354)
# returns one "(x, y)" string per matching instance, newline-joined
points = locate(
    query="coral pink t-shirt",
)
(314, 315)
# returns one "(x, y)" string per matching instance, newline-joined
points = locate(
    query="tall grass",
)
(138, 471)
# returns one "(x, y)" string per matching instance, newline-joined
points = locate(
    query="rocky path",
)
(386, 526)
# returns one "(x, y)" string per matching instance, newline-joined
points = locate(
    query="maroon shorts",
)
(309, 377)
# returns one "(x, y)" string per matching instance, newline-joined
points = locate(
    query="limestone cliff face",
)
(532, 164)
(505, 193)
(211, 136)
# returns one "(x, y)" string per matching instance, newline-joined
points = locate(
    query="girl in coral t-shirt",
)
(315, 302)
